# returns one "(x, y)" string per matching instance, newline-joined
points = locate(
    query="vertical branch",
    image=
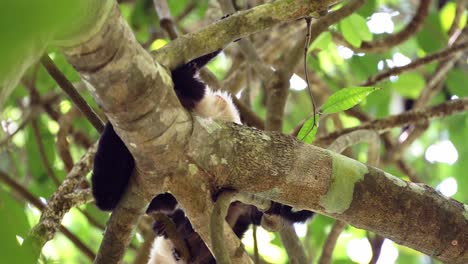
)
(339, 145)
(293, 245)
(165, 18)
(376, 245)
(65, 122)
(217, 221)
(122, 223)
(330, 242)
(42, 153)
(460, 8)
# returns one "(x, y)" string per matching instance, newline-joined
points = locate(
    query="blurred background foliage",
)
(36, 107)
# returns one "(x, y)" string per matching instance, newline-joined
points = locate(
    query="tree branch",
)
(238, 25)
(29, 197)
(61, 202)
(72, 93)
(415, 64)
(406, 118)
(281, 169)
(391, 41)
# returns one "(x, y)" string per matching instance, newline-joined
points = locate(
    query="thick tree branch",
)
(279, 168)
(238, 25)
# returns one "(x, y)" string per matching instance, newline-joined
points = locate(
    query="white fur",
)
(162, 252)
(217, 105)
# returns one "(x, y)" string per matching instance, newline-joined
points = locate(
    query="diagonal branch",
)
(238, 25)
(393, 40)
(406, 118)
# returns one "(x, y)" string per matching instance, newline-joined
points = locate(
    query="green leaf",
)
(431, 37)
(346, 98)
(308, 130)
(13, 223)
(456, 82)
(447, 15)
(354, 29)
(28, 27)
(409, 84)
(322, 41)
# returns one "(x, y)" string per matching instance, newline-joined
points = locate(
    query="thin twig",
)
(255, 245)
(165, 18)
(188, 8)
(71, 91)
(78, 243)
(65, 125)
(390, 41)
(403, 119)
(408, 171)
(42, 152)
(459, 10)
(329, 245)
(293, 245)
(376, 245)
(26, 118)
(247, 48)
(278, 87)
(415, 64)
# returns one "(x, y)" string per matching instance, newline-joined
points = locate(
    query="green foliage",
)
(456, 82)
(309, 130)
(322, 42)
(346, 98)
(368, 8)
(13, 227)
(355, 30)
(409, 85)
(431, 37)
(447, 16)
(27, 27)
(362, 67)
(337, 102)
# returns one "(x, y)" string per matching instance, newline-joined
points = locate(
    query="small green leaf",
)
(308, 130)
(13, 224)
(355, 30)
(322, 41)
(447, 15)
(456, 82)
(409, 84)
(346, 98)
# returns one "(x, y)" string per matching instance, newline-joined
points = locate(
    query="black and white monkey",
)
(113, 166)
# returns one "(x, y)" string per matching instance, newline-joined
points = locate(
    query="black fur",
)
(288, 213)
(113, 163)
(113, 166)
